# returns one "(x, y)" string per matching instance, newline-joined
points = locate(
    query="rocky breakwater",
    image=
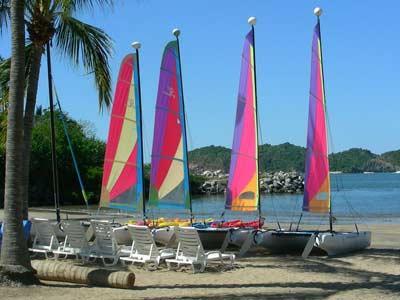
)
(270, 183)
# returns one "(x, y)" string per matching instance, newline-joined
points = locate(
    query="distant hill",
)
(288, 157)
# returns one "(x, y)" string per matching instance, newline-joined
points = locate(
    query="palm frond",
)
(4, 14)
(71, 6)
(82, 42)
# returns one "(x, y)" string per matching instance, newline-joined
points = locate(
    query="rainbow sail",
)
(242, 190)
(317, 182)
(169, 179)
(122, 185)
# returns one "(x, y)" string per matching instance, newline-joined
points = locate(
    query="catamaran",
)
(123, 180)
(169, 176)
(317, 193)
(243, 193)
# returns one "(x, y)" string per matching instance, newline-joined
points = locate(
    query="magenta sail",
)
(242, 191)
(317, 182)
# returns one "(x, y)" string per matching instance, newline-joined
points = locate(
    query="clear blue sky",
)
(361, 56)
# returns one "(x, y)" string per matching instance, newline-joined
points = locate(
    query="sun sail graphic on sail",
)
(317, 182)
(169, 178)
(122, 184)
(242, 190)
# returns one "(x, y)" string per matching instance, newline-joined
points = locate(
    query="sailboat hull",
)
(211, 238)
(335, 243)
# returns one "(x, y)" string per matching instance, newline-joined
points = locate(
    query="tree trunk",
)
(15, 263)
(32, 87)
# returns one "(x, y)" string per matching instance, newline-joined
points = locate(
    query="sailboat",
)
(243, 192)
(169, 176)
(122, 185)
(317, 193)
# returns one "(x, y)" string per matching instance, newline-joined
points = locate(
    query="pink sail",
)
(242, 189)
(317, 182)
(122, 186)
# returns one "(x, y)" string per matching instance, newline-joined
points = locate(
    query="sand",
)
(370, 274)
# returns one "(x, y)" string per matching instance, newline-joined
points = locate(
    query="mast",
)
(176, 32)
(318, 13)
(136, 46)
(252, 21)
(53, 137)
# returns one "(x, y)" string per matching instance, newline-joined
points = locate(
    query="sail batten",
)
(317, 181)
(169, 179)
(243, 189)
(122, 184)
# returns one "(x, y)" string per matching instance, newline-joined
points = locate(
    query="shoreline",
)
(369, 274)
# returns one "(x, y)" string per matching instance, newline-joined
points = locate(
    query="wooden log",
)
(68, 272)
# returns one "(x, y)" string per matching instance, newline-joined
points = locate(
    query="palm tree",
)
(81, 43)
(14, 262)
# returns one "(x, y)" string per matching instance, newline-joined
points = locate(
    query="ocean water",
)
(361, 198)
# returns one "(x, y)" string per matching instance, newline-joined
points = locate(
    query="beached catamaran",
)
(242, 193)
(169, 177)
(317, 192)
(123, 180)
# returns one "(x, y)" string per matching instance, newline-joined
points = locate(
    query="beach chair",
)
(190, 251)
(104, 246)
(75, 240)
(144, 249)
(45, 240)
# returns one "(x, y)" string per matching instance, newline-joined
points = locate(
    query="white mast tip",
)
(136, 45)
(318, 11)
(252, 21)
(176, 32)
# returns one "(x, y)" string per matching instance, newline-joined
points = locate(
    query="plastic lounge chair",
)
(104, 246)
(75, 240)
(45, 240)
(190, 251)
(144, 249)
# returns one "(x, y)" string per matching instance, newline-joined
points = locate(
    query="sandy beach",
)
(371, 274)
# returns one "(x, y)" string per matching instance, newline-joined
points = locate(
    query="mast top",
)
(136, 45)
(318, 11)
(252, 21)
(176, 32)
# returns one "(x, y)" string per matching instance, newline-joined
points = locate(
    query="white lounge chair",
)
(104, 246)
(75, 240)
(45, 240)
(190, 251)
(144, 249)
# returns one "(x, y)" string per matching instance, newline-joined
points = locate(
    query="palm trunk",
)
(15, 263)
(32, 87)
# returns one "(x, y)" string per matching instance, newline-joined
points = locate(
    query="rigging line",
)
(338, 177)
(74, 160)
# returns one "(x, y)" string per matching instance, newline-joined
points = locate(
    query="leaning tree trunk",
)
(15, 263)
(31, 92)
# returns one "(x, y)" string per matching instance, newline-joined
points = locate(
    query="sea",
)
(356, 198)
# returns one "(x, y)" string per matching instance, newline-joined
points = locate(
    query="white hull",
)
(335, 243)
(211, 238)
(239, 236)
(122, 236)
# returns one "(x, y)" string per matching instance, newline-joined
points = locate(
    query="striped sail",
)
(169, 180)
(317, 182)
(122, 186)
(242, 190)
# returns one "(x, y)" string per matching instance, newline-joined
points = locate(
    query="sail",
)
(169, 180)
(317, 182)
(242, 190)
(122, 184)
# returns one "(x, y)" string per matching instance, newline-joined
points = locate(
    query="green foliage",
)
(88, 150)
(351, 161)
(211, 157)
(284, 157)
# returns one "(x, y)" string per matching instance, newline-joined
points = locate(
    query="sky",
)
(361, 49)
